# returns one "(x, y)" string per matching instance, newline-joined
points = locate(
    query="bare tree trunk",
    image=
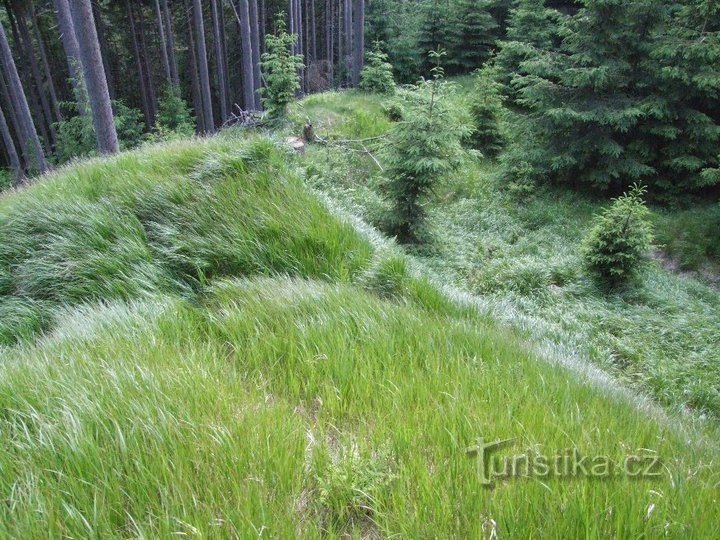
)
(46, 66)
(147, 71)
(7, 103)
(10, 148)
(28, 136)
(330, 39)
(255, 39)
(29, 54)
(172, 59)
(70, 45)
(263, 24)
(348, 40)
(223, 87)
(104, 52)
(203, 67)
(313, 27)
(194, 77)
(95, 79)
(144, 95)
(242, 14)
(163, 41)
(358, 41)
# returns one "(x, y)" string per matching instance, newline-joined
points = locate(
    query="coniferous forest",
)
(359, 268)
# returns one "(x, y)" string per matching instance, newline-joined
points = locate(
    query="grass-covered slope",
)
(165, 221)
(521, 254)
(221, 356)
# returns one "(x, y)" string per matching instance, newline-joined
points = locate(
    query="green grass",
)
(303, 408)
(195, 343)
(522, 257)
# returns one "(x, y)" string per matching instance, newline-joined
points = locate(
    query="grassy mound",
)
(165, 222)
(196, 346)
(297, 407)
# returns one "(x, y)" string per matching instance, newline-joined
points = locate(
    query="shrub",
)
(619, 239)
(280, 70)
(421, 149)
(377, 75)
(6, 179)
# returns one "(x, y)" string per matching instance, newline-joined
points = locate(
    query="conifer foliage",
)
(280, 70)
(421, 149)
(630, 96)
(377, 74)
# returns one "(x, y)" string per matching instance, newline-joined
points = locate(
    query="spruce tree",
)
(377, 74)
(532, 30)
(473, 35)
(280, 71)
(627, 98)
(486, 107)
(435, 32)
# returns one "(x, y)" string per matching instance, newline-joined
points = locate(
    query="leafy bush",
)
(486, 106)
(280, 70)
(421, 149)
(377, 75)
(173, 118)
(619, 239)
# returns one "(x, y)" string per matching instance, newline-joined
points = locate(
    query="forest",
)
(359, 268)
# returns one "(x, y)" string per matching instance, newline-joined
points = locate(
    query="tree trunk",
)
(70, 45)
(243, 17)
(46, 66)
(348, 40)
(194, 78)
(204, 74)
(263, 24)
(28, 137)
(330, 40)
(358, 41)
(29, 54)
(163, 42)
(7, 103)
(147, 71)
(255, 39)
(95, 79)
(313, 28)
(12, 154)
(172, 59)
(144, 95)
(223, 87)
(104, 52)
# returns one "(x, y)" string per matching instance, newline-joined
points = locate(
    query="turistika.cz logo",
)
(570, 463)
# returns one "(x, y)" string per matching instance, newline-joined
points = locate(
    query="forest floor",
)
(204, 338)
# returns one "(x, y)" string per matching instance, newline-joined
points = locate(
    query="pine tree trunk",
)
(313, 28)
(12, 154)
(31, 59)
(263, 24)
(147, 71)
(104, 52)
(46, 65)
(243, 18)
(204, 73)
(348, 40)
(163, 41)
(72, 52)
(172, 59)
(330, 40)
(194, 77)
(144, 95)
(223, 89)
(255, 39)
(28, 136)
(7, 103)
(95, 79)
(358, 41)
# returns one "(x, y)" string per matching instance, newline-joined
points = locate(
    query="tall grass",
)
(140, 224)
(294, 408)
